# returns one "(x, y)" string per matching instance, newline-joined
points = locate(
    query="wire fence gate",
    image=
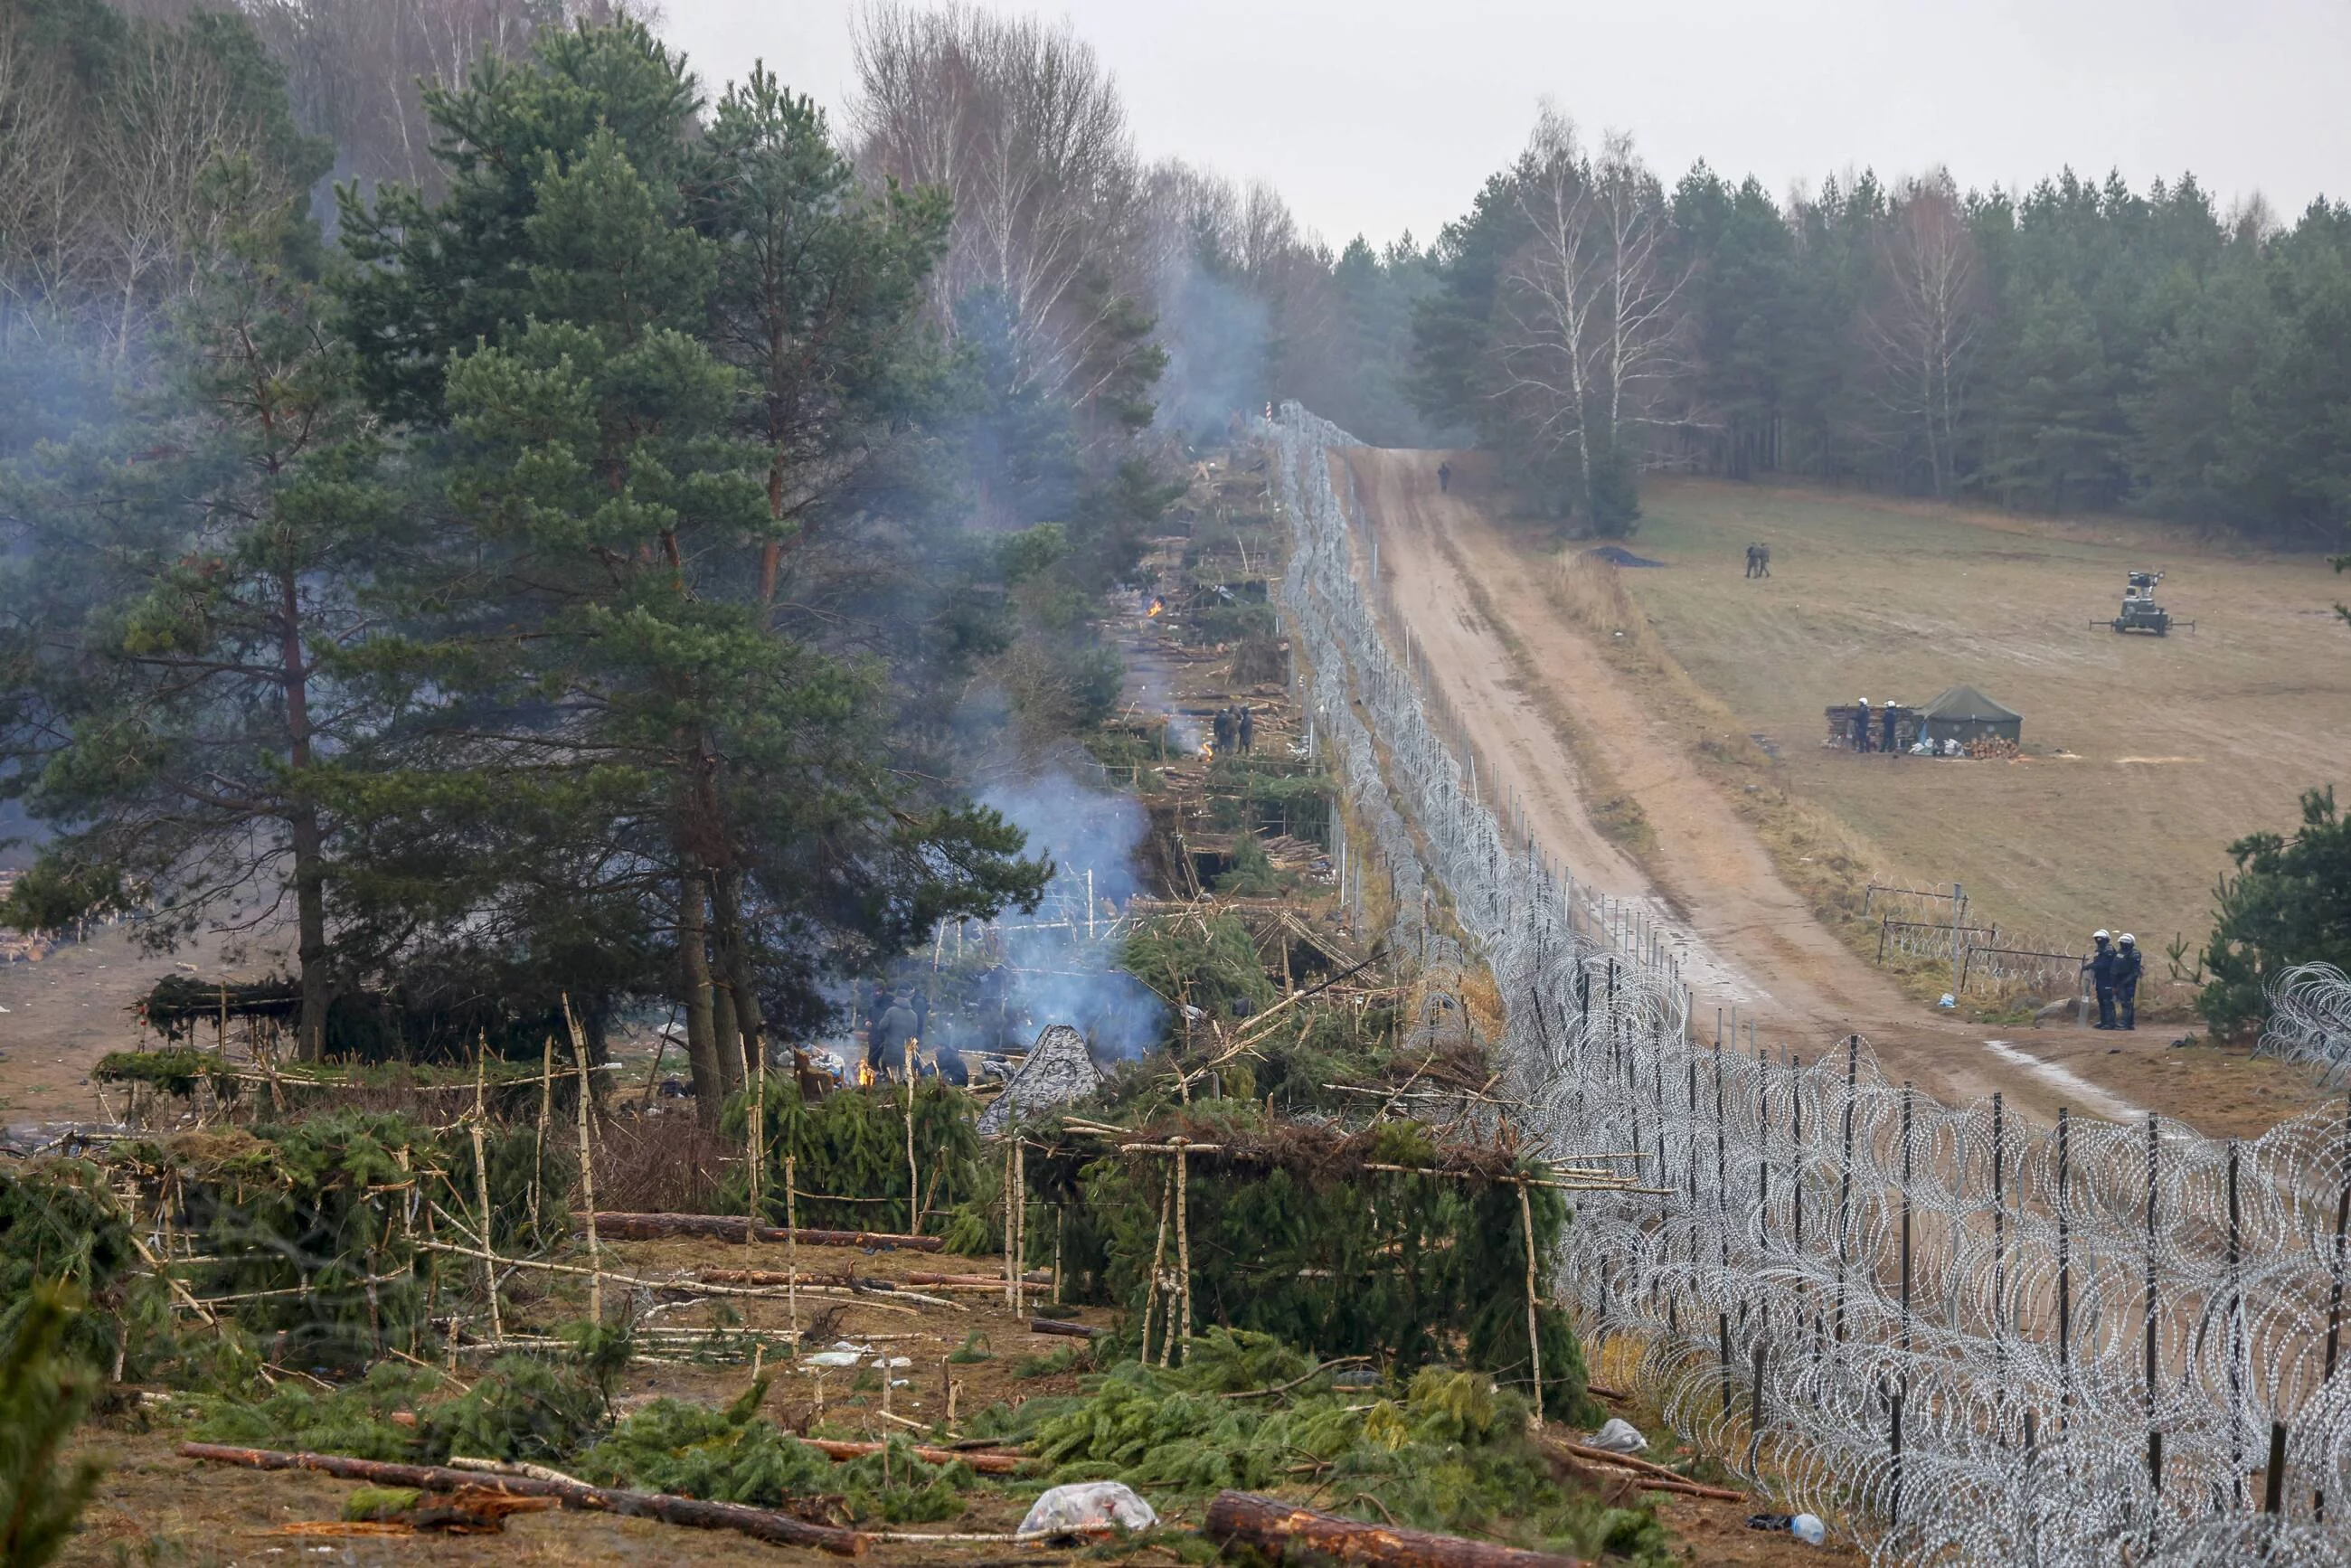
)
(1965, 1335)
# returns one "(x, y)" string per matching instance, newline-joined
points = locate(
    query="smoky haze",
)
(1381, 116)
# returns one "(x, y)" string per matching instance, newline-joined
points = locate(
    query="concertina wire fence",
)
(1962, 1335)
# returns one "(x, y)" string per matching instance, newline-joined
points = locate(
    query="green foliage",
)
(172, 1071)
(972, 1352)
(1210, 964)
(2289, 903)
(851, 1144)
(367, 1504)
(732, 1455)
(1395, 1265)
(43, 1392)
(1453, 1453)
(1251, 874)
(354, 1418)
(59, 1224)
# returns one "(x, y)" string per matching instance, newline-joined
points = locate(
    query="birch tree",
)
(1924, 329)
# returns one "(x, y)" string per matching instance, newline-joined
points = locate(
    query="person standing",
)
(885, 1047)
(2100, 968)
(1247, 729)
(1444, 477)
(1222, 724)
(1861, 723)
(1886, 719)
(2127, 967)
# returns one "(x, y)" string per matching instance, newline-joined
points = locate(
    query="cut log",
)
(1273, 1527)
(1071, 1330)
(987, 1282)
(987, 1464)
(967, 1283)
(1650, 1467)
(734, 1227)
(759, 1523)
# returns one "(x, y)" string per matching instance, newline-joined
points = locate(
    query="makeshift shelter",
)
(1964, 714)
(1059, 1069)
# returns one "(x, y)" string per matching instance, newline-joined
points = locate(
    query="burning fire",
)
(1157, 606)
(865, 1075)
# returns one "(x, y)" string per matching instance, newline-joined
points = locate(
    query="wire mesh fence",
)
(1968, 1335)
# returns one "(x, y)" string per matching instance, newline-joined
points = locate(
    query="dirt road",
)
(1535, 693)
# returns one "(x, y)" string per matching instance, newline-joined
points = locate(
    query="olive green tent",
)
(1964, 714)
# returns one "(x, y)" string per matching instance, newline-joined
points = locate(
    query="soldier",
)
(2127, 965)
(1444, 477)
(2100, 968)
(1861, 723)
(1885, 716)
(1247, 729)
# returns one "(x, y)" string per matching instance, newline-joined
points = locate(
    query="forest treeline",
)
(602, 568)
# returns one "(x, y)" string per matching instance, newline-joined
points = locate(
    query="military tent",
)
(1964, 714)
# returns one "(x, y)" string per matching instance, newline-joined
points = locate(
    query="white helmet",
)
(2098, 935)
(2128, 939)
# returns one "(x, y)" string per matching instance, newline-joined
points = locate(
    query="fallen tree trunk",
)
(1272, 1527)
(734, 1228)
(1648, 1468)
(987, 1281)
(988, 1464)
(1056, 1326)
(759, 1523)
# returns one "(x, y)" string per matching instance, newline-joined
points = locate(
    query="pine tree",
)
(185, 590)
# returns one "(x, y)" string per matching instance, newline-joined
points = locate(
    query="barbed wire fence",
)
(1963, 1334)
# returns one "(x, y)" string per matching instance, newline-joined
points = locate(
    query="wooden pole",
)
(1184, 1239)
(792, 1242)
(914, 1175)
(482, 1187)
(539, 1138)
(1158, 1262)
(586, 1170)
(1535, 1335)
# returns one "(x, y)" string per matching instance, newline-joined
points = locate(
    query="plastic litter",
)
(832, 1358)
(1808, 1529)
(1948, 1000)
(1619, 1436)
(1768, 1520)
(1088, 1506)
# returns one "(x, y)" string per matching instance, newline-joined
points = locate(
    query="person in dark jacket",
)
(2100, 968)
(1247, 729)
(1886, 717)
(1861, 723)
(2127, 967)
(1444, 477)
(1221, 726)
(885, 1045)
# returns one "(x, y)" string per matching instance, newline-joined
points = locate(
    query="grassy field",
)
(2145, 756)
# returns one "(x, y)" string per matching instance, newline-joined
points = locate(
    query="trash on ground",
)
(1619, 1436)
(1089, 1505)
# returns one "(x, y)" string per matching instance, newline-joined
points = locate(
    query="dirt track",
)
(1533, 689)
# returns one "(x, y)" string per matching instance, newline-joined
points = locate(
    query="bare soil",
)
(1566, 725)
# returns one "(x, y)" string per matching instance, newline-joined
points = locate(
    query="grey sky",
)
(1384, 115)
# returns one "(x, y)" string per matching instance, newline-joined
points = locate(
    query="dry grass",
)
(2170, 748)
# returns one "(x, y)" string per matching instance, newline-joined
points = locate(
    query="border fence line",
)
(1980, 1338)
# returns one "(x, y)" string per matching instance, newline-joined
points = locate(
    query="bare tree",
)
(1588, 338)
(39, 175)
(166, 136)
(1023, 127)
(1924, 329)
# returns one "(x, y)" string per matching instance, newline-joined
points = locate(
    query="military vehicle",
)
(2140, 613)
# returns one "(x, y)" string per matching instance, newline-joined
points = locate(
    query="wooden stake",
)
(482, 1186)
(587, 1171)
(538, 1140)
(1158, 1261)
(1183, 1241)
(1535, 1337)
(914, 1175)
(792, 1244)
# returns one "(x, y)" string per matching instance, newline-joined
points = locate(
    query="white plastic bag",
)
(1807, 1528)
(1088, 1506)
(1618, 1436)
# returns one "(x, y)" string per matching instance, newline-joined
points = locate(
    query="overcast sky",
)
(1380, 116)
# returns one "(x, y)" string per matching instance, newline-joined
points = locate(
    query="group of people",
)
(1759, 560)
(896, 1020)
(2113, 972)
(1234, 726)
(1876, 733)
